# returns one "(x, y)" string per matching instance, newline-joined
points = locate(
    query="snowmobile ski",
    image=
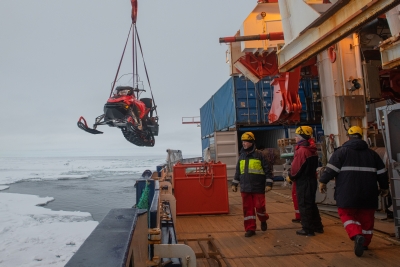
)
(83, 126)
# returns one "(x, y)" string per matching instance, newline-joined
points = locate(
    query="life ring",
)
(332, 54)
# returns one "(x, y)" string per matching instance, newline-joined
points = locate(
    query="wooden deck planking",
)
(279, 245)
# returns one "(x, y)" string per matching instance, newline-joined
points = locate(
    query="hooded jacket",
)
(305, 161)
(253, 172)
(358, 170)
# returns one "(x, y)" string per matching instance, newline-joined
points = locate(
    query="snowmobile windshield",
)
(122, 92)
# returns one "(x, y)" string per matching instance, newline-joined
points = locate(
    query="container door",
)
(266, 92)
(247, 106)
(226, 150)
(310, 99)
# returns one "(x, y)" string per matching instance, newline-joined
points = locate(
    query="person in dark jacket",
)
(303, 172)
(357, 171)
(254, 174)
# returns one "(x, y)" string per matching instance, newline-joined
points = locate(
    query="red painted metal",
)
(294, 104)
(286, 105)
(273, 36)
(134, 10)
(260, 65)
(332, 53)
(200, 188)
(310, 67)
(276, 112)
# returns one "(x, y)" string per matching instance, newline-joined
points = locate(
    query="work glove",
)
(268, 188)
(384, 192)
(322, 188)
(288, 179)
(234, 188)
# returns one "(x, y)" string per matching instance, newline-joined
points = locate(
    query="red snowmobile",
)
(123, 109)
(134, 117)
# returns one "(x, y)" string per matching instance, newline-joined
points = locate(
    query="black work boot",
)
(264, 226)
(359, 245)
(319, 230)
(304, 232)
(296, 220)
(249, 233)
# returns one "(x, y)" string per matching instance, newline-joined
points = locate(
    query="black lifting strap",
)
(120, 62)
(144, 63)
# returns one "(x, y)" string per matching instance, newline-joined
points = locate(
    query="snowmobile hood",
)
(356, 144)
(126, 99)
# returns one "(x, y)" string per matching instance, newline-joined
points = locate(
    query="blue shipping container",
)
(247, 101)
(266, 92)
(240, 102)
(236, 102)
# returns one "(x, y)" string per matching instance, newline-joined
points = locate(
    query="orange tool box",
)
(200, 188)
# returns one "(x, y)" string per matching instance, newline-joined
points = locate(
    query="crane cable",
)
(145, 68)
(120, 62)
(136, 35)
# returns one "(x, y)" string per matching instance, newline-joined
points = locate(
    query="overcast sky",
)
(59, 58)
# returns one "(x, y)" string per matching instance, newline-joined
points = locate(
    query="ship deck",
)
(218, 240)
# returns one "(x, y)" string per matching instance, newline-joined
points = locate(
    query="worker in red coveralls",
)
(303, 172)
(254, 174)
(357, 171)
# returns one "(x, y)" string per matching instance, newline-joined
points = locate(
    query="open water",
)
(88, 184)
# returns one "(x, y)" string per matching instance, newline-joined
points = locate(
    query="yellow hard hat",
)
(355, 130)
(248, 136)
(305, 130)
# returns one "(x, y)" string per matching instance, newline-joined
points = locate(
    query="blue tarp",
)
(204, 144)
(207, 118)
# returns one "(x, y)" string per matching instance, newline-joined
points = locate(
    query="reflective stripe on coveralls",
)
(354, 168)
(253, 207)
(350, 222)
(358, 221)
(254, 166)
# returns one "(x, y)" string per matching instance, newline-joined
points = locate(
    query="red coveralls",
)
(253, 204)
(295, 202)
(357, 221)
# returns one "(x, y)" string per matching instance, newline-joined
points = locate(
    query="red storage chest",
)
(200, 188)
